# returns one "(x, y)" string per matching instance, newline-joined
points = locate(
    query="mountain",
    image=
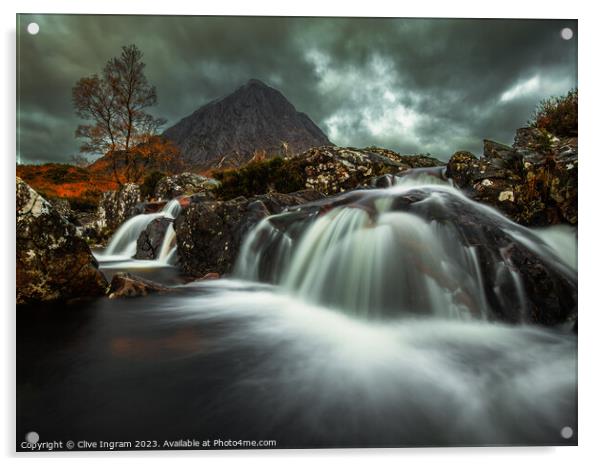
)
(254, 119)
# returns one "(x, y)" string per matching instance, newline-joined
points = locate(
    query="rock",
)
(333, 170)
(127, 285)
(534, 139)
(171, 187)
(230, 131)
(506, 264)
(63, 207)
(115, 207)
(209, 233)
(534, 182)
(53, 262)
(461, 168)
(495, 150)
(150, 240)
(210, 276)
(550, 289)
(149, 207)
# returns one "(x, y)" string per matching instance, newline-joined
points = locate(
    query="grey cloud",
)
(446, 76)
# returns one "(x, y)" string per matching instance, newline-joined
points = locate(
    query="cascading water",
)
(377, 317)
(415, 248)
(123, 242)
(168, 246)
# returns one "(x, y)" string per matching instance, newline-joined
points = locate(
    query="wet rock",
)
(127, 285)
(461, 168)
(150, 207)
(333, 170)
(53, 262)
(518, 283)
(550, 288)
(150, 240)
(115, 207)
(210, 276)
(534, 182)
(171, 187)
(382, 181)
(209, 233)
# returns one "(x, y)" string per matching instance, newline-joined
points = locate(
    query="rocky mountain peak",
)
(255, 118)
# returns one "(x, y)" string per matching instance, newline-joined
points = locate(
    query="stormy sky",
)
(412, 85)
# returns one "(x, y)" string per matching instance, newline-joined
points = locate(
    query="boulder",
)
(63, 207)
(171, 187)
(115, 207)
(209, 233)
(550, 289)
(53, 262)
(127, 285)
(151, 239)
(495, 150)
(333, 170)
(534, 182)
(491, 265)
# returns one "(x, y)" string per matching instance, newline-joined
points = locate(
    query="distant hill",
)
(80, 185)
(254, 120)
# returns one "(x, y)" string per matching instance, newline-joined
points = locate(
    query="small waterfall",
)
(123, 242)
(562, 239)
(168, 247)
(399, 250)
(361, 263)
(172, 208)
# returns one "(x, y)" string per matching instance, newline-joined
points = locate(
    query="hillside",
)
(255, 119)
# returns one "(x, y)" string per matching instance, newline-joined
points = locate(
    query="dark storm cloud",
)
(414, 85)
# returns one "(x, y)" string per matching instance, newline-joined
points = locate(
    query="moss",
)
(148, 186)
(273, 175)
(87, 202)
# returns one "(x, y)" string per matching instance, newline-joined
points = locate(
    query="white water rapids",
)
(309, 358)
(122, 245)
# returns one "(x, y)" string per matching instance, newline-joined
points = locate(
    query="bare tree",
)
(116, 103)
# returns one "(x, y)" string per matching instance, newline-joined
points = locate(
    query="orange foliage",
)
(84, 185)
(62, 180)
(154, 153)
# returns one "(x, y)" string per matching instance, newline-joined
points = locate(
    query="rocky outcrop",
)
(550, 289)
(115, 207)
(209, 233)
(332, 170)
(127, 285)
(150, 240)
(53, 262)
(171, 187)
(488, 265)
(227, 132)
(534, 182)
(63, 207)
(147, 207)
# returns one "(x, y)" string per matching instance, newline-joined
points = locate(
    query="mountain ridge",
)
(228, 131)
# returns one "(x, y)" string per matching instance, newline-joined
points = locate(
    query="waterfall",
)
(168, 247)
(384, 312)
(123, 242)
(380, 253)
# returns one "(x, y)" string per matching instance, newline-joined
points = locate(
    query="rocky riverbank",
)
(533, 182)
(53, 261)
